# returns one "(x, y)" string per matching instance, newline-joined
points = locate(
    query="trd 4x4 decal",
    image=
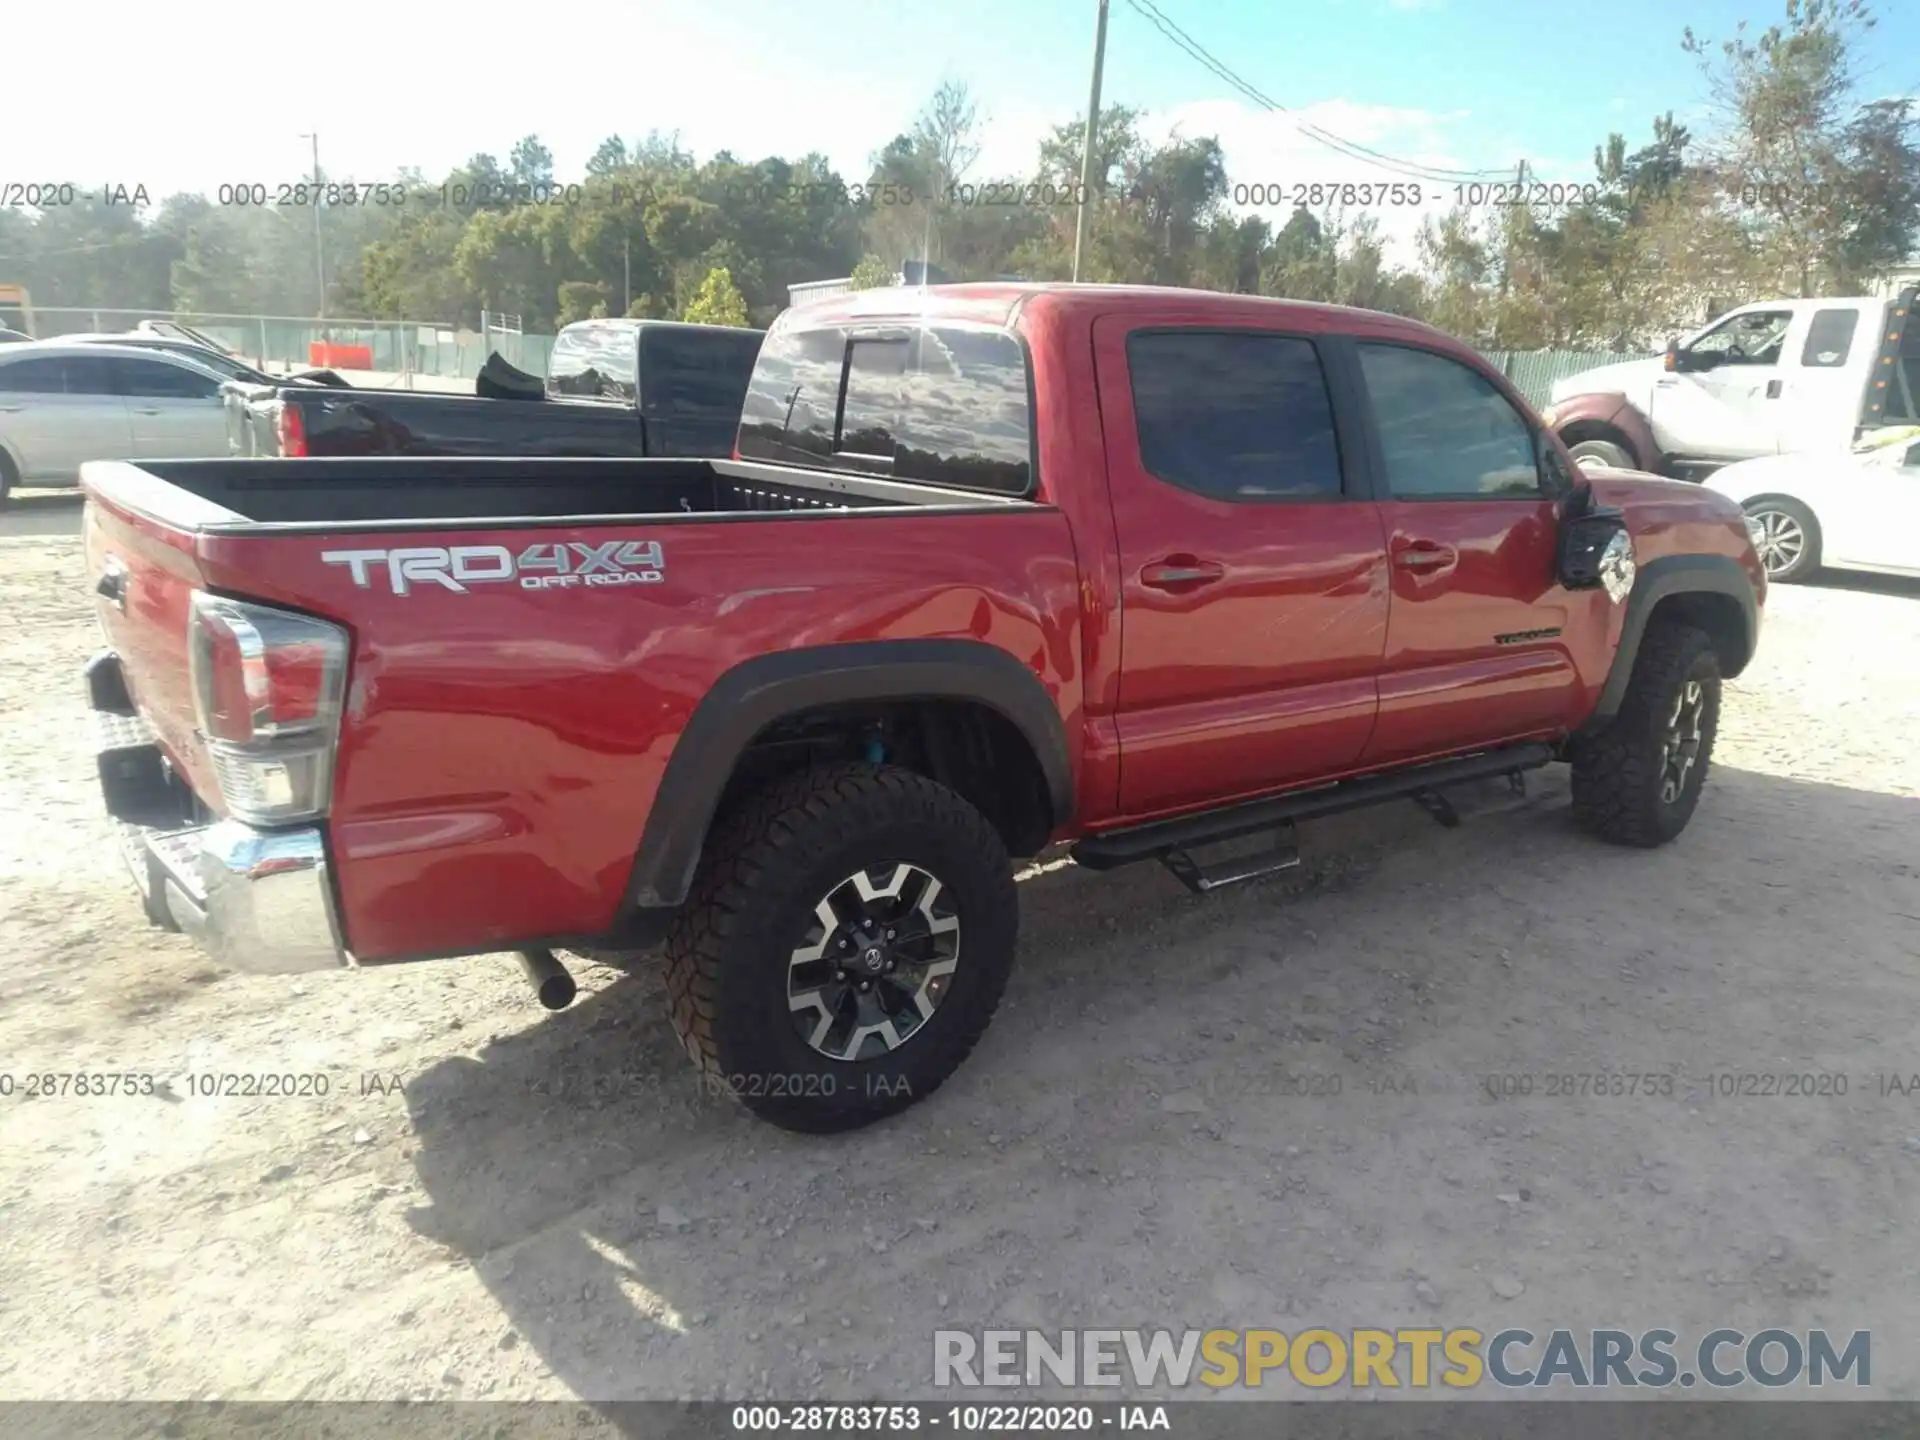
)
(562, 565)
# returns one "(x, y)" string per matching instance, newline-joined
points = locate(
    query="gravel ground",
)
(494, 1203)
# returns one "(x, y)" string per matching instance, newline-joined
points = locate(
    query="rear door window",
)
(92, 375)
(224, 365)
(1234, 415)
(1829, 338)
(156, 379)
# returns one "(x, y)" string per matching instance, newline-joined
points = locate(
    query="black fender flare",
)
(757, 692)
(1658, 580)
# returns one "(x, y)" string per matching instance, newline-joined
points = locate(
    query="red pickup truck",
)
(1154, 572)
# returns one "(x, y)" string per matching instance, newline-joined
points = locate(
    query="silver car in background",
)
(62, 405)
(228, 367)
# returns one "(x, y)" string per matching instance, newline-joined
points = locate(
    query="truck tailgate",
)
(143, 573)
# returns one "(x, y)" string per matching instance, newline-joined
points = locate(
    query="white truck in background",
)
(1773, 378)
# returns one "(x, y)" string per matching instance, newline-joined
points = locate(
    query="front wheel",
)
(846, 943)
(1639, 780)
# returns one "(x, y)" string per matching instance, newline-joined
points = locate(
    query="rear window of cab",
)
(948, 405)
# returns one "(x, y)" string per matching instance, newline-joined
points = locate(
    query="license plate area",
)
(140, 788)
(137, 784)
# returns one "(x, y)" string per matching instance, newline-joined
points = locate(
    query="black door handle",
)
(1773, 389)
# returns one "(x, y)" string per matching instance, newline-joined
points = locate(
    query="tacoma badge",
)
(556, 566)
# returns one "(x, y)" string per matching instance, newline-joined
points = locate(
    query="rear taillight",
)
(291, 427)
(268, 687)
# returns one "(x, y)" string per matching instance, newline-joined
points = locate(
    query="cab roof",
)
(1001, 303)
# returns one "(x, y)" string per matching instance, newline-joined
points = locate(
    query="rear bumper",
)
(258, 901)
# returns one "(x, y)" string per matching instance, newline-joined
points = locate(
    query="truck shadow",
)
(646, 1240)
(1865, 583)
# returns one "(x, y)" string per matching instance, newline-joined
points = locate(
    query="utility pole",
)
(626, 265)
(926, 243)
(319, 253)
(1086, 150)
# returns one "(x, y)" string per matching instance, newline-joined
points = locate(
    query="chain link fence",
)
(395, 348)
(1534, 371)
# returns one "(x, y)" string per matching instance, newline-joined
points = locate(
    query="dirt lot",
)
(491, 1202)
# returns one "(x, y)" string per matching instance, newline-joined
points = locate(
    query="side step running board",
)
(1442, 808)
(1202, 879)
(1162, 839)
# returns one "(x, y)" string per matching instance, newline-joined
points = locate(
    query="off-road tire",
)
(1615, 457)
(765, 867)
(1618, 774)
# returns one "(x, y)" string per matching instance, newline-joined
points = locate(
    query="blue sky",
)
(1459, 83)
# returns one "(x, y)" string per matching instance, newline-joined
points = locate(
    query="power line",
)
(1352, 149)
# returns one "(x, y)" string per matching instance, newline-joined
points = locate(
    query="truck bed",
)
(536, 712)
(393, 492)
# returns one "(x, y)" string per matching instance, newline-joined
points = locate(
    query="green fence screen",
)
(405, 347)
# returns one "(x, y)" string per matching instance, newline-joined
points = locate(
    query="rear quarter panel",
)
(501, 748)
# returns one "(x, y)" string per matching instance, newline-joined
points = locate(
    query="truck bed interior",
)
(345, 491)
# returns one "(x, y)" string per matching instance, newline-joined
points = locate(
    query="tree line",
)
(1797, 186)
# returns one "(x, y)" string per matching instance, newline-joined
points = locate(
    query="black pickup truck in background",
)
(631, 388)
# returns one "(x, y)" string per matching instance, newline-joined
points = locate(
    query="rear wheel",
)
(1639, 780)
(9, 477)
(846, 944)
(1786, 537)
